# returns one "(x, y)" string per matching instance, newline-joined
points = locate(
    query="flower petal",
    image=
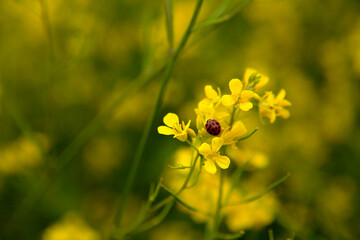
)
(191, 133)
(280, 96)
(210, 166)
(256, 96)
(284, 103)
(263, 81)
(165, 130)
(223, 162)
(227, 100)
(216, 144)
(238, 129)
(246, 94)
(272, 116)
(283, 113)
(182, 136)
(205, 149)
(210, 92)
(246, 106)
(235, 86)
(171, 119)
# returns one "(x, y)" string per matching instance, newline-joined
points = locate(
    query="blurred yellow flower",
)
(271, 106)
(239, 96)
(71, 227)
(173, 127)
(23, 154)
(257, 160)
(213, 156)
(230, 136)
(256, 214)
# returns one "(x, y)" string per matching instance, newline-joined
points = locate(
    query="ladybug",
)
(213, 127)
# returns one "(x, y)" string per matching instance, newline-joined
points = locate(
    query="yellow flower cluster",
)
(218, 117)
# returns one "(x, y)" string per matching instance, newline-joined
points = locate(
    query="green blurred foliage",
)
(64, 62)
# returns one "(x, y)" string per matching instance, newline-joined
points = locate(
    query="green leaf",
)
(155, 192)
(179, 167)
(253, 198)
(221, 15)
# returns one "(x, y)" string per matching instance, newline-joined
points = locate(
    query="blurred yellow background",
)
(64, 65)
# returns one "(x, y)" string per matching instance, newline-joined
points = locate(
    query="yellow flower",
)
(173, 127)
(208, 108)
(239, 96)
(212, 155)
(230, 136)
(72, 226)
(211, 94)
(271, 106)
(254, 79)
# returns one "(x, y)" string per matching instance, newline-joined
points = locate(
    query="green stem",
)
(168, 199)
(183, 202)
(193, 146)
(232, 116)
(235, 178)
(48, 29)
(169, 24)
(271, 234)
(144, 138)
(217, 216)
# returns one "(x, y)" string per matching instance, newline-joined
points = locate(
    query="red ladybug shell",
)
(213, 127)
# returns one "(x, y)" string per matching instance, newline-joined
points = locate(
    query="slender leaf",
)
(253, 198)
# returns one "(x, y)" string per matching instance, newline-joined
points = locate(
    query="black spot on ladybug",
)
(213, 127)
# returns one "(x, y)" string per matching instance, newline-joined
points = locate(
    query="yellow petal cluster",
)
(173, 127)
(240, 97)
(231, 135)
(212, 155)
(272, 106)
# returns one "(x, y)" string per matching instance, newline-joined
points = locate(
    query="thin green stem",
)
(48, 29)
(271, 234)
(257, 196)
(235, 178)
(156, 220)
(248, 135)
(232, 116)
(169, 24)
(184, 203)
(168, 199)
(217, 216)
(145, 136)
(193, 146)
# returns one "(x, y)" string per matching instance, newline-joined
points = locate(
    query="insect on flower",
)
(213, 127)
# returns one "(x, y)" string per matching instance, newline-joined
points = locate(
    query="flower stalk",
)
(145, 136)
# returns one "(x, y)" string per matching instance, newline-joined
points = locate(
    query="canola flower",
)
(272, 106)
(212, 155)
(219, 127)
(173, 127)
(240, 96)
(245, 94)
